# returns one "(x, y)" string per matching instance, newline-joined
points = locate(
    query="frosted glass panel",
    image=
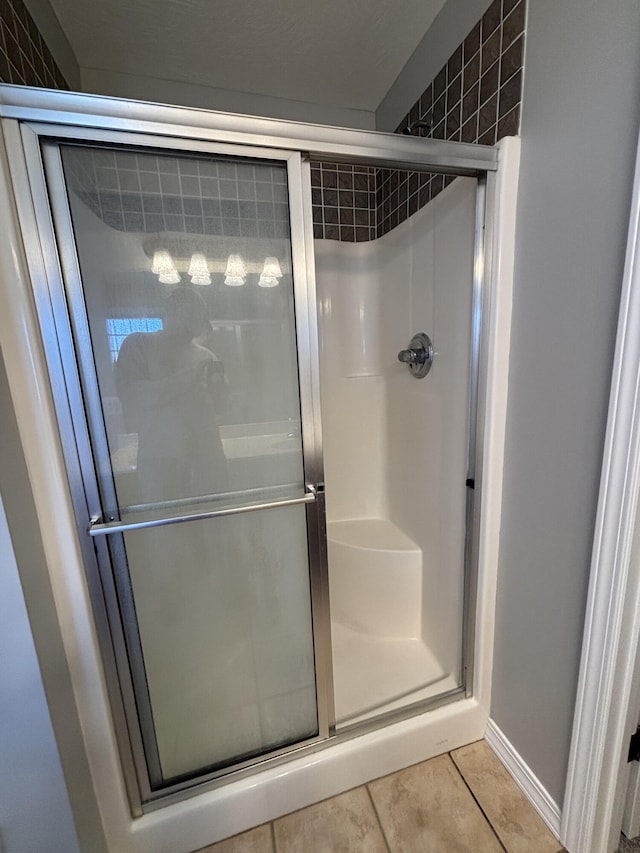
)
(187, 341)
(225, 628)
(186, 271)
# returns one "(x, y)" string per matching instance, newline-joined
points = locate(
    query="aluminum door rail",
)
(338, 144)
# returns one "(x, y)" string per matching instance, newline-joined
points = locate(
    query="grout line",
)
(273, 836)
(375, 810)
(477, 802)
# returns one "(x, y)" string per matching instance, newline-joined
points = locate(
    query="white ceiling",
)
(345, 53)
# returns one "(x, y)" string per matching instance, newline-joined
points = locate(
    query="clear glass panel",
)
(185, 264)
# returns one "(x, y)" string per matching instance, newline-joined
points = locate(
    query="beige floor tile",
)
(343, 824)
(515, 821)
(257, 840)
(428, 809)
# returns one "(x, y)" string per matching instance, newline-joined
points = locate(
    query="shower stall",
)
(399, 455)
(273, 463)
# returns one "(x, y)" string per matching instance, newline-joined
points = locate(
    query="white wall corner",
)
(502, 193)
(524, 777)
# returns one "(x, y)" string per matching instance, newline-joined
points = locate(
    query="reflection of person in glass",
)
(170, 388)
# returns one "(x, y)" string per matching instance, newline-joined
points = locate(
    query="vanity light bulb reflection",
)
(164, 267)
(271, 273)
(198, 269)
(236, 272)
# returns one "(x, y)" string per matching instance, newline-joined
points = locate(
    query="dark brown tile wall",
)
(344, 202)
(24, 56)
(474, 98)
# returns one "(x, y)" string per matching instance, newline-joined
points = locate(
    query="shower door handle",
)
(97, 527)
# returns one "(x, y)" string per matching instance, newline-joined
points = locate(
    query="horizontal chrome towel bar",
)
(98, 528)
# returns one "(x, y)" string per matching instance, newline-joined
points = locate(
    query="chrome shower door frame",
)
(27, 115)
(54, 268)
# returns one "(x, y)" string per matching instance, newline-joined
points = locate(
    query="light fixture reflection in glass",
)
(236, 272)
(164, 267)
(271, 273)
(198, 269)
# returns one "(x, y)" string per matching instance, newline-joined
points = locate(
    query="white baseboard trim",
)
(524, 777)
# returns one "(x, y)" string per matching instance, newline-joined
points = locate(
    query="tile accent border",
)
(475, 97)
(524, 777)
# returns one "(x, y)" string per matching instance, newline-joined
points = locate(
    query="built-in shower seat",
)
(375, 578)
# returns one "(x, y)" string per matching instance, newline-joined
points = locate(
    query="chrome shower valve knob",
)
(418, 356)
(412, 356)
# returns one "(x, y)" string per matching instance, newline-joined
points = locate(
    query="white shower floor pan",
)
(373, 675)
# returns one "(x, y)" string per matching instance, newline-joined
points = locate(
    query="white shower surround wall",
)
(231, 808)
(396, 447)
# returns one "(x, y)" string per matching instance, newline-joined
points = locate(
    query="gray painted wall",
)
(208, 97)
(31, 638)
(579, 133)
(580, 113)
(175, 92)
(46, 21)
(31, 770)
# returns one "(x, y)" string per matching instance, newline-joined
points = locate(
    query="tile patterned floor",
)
(463, 802)
(629, 845)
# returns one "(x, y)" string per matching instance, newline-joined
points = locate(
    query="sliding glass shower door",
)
(189, 343)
